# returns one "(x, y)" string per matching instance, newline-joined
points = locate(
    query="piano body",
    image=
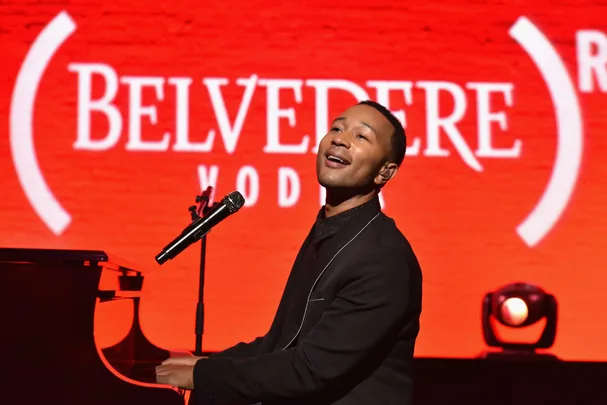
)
(47, 307)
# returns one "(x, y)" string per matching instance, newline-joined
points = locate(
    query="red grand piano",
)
(47, 306)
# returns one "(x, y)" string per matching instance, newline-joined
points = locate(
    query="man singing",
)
(345, 329)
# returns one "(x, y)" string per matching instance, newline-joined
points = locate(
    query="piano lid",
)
(50, 256)
(65, 256)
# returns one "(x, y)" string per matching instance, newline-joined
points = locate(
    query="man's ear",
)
(387, 172)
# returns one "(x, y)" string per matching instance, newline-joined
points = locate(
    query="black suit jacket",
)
(354, 344)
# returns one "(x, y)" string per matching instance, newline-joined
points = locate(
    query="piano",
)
(47, 307)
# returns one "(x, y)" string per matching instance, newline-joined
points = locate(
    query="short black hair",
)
(399, 138)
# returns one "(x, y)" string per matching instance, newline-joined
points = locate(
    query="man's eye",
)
(362, 136)
(335, 129)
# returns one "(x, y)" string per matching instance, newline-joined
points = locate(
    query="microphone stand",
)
(197, 213)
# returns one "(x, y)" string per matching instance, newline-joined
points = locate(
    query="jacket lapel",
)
(328, 251)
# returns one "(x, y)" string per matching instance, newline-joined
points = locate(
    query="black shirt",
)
(305, 272)
(358, 337)
(324, 227)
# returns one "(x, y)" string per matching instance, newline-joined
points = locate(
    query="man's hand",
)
(177, 371)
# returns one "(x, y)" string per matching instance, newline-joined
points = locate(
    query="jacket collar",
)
(327, 227)
(348, 230)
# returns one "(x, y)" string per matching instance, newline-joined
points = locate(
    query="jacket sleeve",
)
(240, 350)
(368, 307)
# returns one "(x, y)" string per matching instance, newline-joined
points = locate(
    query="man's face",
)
(354, 153)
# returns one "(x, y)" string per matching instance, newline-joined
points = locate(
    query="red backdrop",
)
(108, 108)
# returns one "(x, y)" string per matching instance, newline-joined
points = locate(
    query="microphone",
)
(199, 228)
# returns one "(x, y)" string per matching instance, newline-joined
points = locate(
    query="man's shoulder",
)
(388, 244)
(391, 253)
(386, 235)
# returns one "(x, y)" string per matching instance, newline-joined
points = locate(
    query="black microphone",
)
(199, 228)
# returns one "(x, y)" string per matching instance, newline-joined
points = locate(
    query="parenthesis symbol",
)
(569, 145)
(21, 119)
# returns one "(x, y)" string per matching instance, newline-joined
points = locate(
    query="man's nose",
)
(342, 139)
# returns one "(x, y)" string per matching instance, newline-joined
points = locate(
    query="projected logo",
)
(532, 229)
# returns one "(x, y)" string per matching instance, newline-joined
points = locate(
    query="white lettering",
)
(383, 97)
(274, 113)
(323, 197)
(247, 182)
(85, 72)
(591, 63)
(229, 133)
(485, 117)
(137, 110)
(439, 121)
(287, 176)
(182, 118)
(208, 177)
(434, 122)
(322, 87)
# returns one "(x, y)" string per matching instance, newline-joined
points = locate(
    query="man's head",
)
(362, 150)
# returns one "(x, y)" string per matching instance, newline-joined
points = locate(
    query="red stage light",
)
(518, 305)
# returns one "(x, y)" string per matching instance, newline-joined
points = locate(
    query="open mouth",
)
(334, 160)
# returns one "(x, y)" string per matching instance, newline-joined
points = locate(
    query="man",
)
(345, 329)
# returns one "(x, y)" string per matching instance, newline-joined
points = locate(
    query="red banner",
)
(117, 115)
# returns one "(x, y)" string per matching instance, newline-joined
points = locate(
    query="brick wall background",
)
(461, 222)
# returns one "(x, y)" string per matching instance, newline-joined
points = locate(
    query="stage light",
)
(519, 305)
(514, 311)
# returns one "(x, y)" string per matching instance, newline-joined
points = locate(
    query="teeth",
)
(336, 159)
